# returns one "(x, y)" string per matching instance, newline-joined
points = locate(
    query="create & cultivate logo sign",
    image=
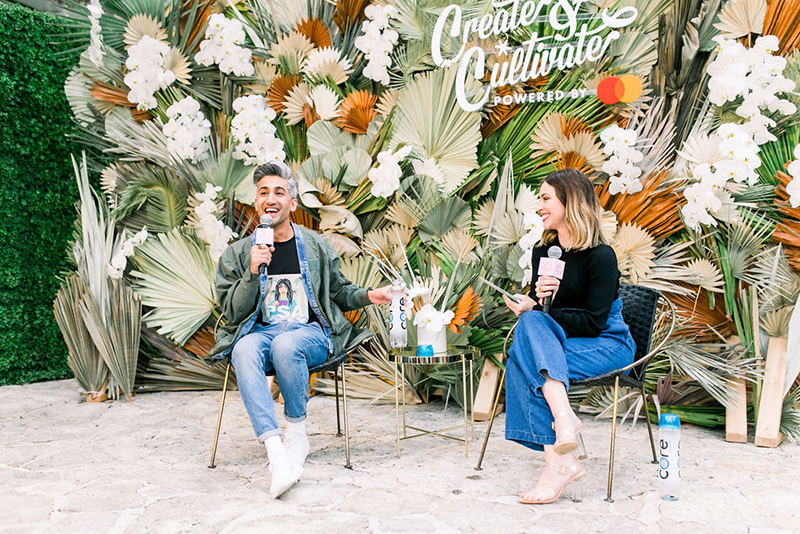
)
(577, 37)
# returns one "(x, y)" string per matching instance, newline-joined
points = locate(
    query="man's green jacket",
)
(241, 293)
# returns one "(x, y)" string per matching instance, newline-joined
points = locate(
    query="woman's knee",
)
(534, 319)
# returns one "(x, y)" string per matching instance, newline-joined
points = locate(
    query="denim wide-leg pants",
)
(287, 348)
(541, 345)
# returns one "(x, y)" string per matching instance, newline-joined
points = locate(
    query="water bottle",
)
(398, 335)
(669, 467)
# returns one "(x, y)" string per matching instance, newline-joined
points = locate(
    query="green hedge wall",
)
(37, 195)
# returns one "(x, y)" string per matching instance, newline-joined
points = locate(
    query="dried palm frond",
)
(699, 320)
(298, 103)
(657, 129)
(324, 64)
(655, 208)
(497, 116)
(263, 76)
(388, 243)
(290, 51)
(783, 21)
(701, 148)
(140, 25)
(744, 240)
(116, 334)
(460, 245)
(634, 249)
(115, 97)
(482, 218)
(316, 32)
(776, 322)
(669, 268)
(137, 142)
(279, 90)
(201, 343)
(245, 219)
(508, 229)
(343, 245)
(110, 183)
(430, 117)
(708, 275)
(527, 200)
(361, 270)
(452, 212)
(548, 132)
(175, 277)
(349, 13)
(771, 274)
(339, 219)
(387, 102)
(635, 52)
(467, 308)
(583, 145)
(404, 213)
(83, 358)
(357, 111)
(787, 231)
(178, 63)
(740, 18)
(76, 87)
(328, 192)
(608, 225)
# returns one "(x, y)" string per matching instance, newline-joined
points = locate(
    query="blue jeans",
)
(287, 348)
(541, 345)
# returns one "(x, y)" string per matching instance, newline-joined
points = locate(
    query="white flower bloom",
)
(793, 188)
(95, 50)
(252, 128)
(386, 176)
(621, 165)
(433, 319)
(797, 152)
(794, 169)
(187, 131)
(222, 46)
(147, 72)
(377, 42)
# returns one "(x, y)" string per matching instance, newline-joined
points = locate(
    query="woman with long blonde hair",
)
(582, 335)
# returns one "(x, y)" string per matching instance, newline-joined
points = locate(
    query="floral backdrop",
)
(686, 121)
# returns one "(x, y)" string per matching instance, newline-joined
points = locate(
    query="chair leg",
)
(613, 441)
(346, 426)
(211, 464)
(491, 417)
(336, 391)
(649, 426)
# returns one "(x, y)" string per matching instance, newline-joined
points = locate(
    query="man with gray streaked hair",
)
(285, 319)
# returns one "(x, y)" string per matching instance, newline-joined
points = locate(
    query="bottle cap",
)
(669, 420)
(424, 350)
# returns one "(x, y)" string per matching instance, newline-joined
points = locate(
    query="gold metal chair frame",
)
(335, 365)
(665, 311)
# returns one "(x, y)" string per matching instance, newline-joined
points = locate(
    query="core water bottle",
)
(669, 466)
(398, 335)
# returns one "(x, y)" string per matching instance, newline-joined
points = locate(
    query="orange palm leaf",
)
(357, 111)
(279, 90)
(303, 218)
(466, 310)
(698, 317)
(787, 232)
(783, 21)
(654, 208)
(201, 343)
(349, 13)
(572, 160)
(353, 316)
(118, 97)
(316, 31)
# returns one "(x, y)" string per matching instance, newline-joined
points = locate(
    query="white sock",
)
(297, 427)
(275, 447)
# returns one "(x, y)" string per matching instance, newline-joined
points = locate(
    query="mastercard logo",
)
(619, 89)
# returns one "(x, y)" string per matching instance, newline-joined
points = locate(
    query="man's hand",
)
(524, 303)
(259, 255)
(381, 295)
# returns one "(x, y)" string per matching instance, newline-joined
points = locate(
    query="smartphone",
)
(498, 288)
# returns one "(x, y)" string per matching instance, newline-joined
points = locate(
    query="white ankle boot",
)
(285, 471)
(297, 446)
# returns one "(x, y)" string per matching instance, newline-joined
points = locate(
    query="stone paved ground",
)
(69, 466)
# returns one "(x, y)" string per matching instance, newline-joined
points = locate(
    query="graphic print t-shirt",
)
(286, 299)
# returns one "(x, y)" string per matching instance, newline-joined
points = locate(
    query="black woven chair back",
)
(639, 305)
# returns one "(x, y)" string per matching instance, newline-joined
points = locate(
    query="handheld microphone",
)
(265, 237)
(551, 266)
